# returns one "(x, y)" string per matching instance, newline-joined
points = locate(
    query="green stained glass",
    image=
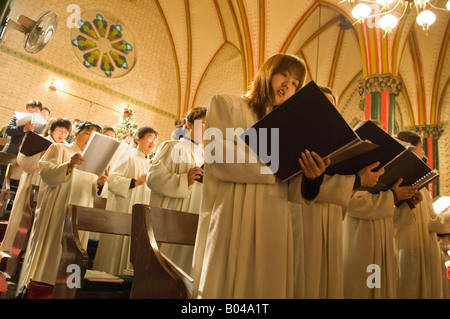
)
(87, 29)
(91, 58)
(101, 26)
(122, 46)
(114, 33)
(106, 64)
(119, 60)
(83, 43)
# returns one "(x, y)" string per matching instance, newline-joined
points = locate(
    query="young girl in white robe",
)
(420, 265)
(62, 184)
(172, 179)
(244, 243)
(59, 130)
(126, 185)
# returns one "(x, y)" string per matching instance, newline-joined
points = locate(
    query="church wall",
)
(150, 88)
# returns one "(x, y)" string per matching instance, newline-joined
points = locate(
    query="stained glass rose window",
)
(103, 44)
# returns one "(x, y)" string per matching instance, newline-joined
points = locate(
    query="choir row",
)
(315, 236)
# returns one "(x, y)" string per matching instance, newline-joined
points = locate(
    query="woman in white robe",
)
(419, 259)
(244, 240)
(370, 264)
(59, 130)
(176, 165)
(126, 185)
(62, 184)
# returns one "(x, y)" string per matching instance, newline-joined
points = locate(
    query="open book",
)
(306, 121)
(98, 153)
(33, 143)
(23, 118)
(101, 276)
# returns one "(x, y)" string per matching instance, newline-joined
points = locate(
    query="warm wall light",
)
(56, 84)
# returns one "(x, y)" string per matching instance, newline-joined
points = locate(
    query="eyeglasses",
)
(61, 131)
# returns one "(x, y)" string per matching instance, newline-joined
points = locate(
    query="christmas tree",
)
(127, 126)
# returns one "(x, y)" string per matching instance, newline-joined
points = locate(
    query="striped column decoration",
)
(379, 92)
(430, 136)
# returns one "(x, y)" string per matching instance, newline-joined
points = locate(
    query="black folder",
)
(33, 143)
(408, 166)
(200, 179)
(306, 121)
(388, 150)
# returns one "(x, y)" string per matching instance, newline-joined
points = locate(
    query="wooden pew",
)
(11, 262)
(155, 276)
(12, 173)
(93, 220)
(5, 160)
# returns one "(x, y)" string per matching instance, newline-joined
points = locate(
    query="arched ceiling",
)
(339, 52)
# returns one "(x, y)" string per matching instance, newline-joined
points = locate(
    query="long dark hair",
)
(260, 92)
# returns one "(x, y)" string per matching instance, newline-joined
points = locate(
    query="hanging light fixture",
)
(425, 19)
(361, 11)
(388, 22)
(385, 11)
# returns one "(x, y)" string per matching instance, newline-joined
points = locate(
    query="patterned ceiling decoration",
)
(103, 44)
(339, 51)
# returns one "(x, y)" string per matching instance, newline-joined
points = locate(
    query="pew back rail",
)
(78, 219)
(155, 276)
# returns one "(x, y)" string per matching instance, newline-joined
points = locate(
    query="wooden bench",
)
(12, 173)
(93, 220)
(11, 262)
(155, 276)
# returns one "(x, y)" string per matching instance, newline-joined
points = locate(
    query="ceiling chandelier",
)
(385, 12)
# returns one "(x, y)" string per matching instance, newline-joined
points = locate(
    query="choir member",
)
(62, 184)
(419, 260)
(172, 179)
(244, 241)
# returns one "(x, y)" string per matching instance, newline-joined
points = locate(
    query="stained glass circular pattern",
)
(104, 44)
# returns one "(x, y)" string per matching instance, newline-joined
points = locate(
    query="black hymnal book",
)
(200, 179)
(370, 132)
(409, 167)
(33, 143)
(306, 121)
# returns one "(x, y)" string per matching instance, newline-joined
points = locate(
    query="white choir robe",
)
(368, 238)
(317, 229)
(420, 265)
(168, 181)
(30, 177)
(57, 190)
(244, 240)
(113, 251)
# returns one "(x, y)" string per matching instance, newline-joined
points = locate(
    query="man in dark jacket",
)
(16, 133)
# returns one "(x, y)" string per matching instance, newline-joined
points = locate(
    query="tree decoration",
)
(126, 127)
